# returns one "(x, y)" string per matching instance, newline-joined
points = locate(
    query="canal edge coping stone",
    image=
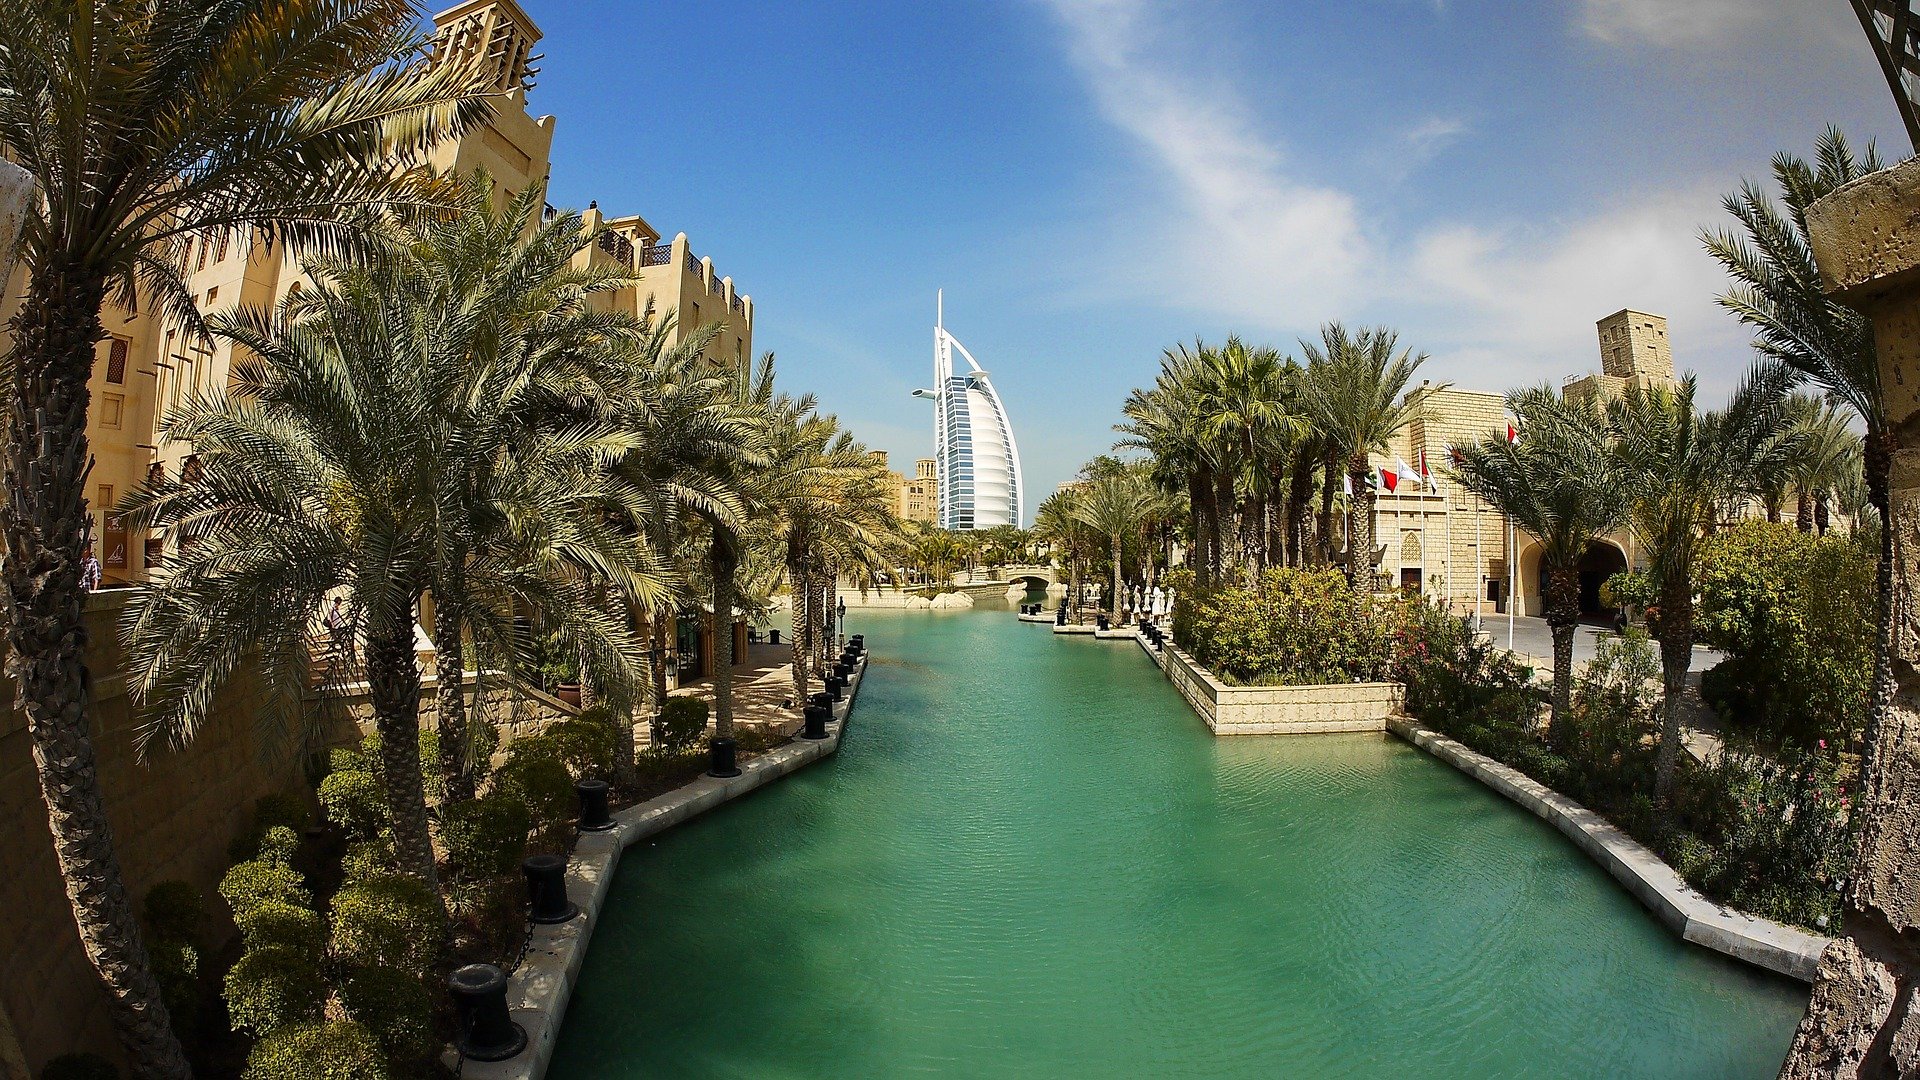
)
(1762, 942)
(539, 989)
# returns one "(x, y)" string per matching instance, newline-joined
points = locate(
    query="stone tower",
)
(1634, 345)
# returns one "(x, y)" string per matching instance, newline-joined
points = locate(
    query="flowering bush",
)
(1288, 627)
(1780, 834)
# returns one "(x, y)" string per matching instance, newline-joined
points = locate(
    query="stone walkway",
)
(762, 691)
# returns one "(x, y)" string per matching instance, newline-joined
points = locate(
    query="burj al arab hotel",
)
(978, 463)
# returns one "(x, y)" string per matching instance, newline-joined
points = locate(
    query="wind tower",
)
(977, 462)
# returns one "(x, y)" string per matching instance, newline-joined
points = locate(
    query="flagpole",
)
(1479, 566)
(1513, 583)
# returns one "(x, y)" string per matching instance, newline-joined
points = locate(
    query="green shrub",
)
(279, 845)
(388, 921)
(584, 744)
(349, 759)
(683, 719)
(1780, 834)
(251, 883)
(175, 909)
(355, 801)
(431, 780)
(1288, 627)
(275, 924)
(339, 1050)
(483, 741)
(396, 1008)
(1792, 611)
(269, 812)
(79, 1067)
(486, 836)
(365, 859)
(268, 989)
(176, 967)
(534, 774)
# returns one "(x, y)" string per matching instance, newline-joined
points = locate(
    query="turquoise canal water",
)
(1029, 859)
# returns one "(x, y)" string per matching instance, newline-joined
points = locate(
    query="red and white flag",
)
(1426, 475)
(1389, 479)
(1513, 435)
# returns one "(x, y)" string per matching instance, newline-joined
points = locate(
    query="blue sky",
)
(1094, 180)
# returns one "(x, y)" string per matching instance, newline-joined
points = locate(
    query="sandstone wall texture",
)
(1282, 710)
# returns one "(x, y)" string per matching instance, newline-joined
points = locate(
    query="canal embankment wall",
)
(1776, 947)
(540, 987)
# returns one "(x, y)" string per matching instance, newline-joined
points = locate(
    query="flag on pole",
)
(1513, 435)
(1346, 484)
(1407, 472)
(1389, 479)
(1426, 474)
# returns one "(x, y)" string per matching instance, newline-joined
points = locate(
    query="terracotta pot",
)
(568, 692)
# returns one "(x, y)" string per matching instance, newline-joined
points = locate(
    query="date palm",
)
(1556, 482)
(346, 459)
(1163, 420)
(1355, 395)
(147, 123)
(1827, 451)
(1680, 471)
(1116, 507)
(1776, 290)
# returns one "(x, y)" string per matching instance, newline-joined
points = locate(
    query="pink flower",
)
(1823, 744)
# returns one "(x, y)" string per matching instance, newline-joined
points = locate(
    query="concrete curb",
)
(1664, 892)
(538, 991)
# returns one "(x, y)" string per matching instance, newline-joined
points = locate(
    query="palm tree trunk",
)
(1676, 656)
(1563, 617)
(816, 620)
(1328, 482)
(1116, 579)
(1822, 512)
(797, 585)
(1226, 533)
(450, 665)
(1360, 527)
(1196, 513)
(723, 562)
(44, 517)
(1803, 516)
(661, 628)
(393, 688)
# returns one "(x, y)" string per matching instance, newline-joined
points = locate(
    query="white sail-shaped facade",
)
(978, 460)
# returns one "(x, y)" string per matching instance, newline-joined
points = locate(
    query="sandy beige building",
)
(148, 365)
(920, 495)
(1440, 540)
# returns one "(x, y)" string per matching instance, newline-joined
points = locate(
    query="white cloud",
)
(1247, 234)
(1498, 305)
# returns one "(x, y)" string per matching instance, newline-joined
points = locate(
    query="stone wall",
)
(172, 817)
(1282, 710)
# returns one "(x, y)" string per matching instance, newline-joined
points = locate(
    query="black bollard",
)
(816, 722)
(547, 889)
(843, 671)
(1101, 623)
(823, 699)
(724, 762)
(837, 687)
(1060, 617)
(858, 639)
(486, 1032)
(593, 805)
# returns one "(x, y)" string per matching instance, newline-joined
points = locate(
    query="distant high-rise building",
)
(976, 460)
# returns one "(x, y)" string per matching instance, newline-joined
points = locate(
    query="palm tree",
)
(146, 125)
(1060, 521)
(1556, 482)
(1115, 506)
(1355, 394)
(688, 429)
(1163, 421)
(1244, 414)
(512, 319)
(1680, 470)
(330, 468)
(1776, 290)
(1827, 450)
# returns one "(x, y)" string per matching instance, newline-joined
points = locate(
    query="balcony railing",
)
(656, 255)
(739, 305)
(693, 264)
(617, 246)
